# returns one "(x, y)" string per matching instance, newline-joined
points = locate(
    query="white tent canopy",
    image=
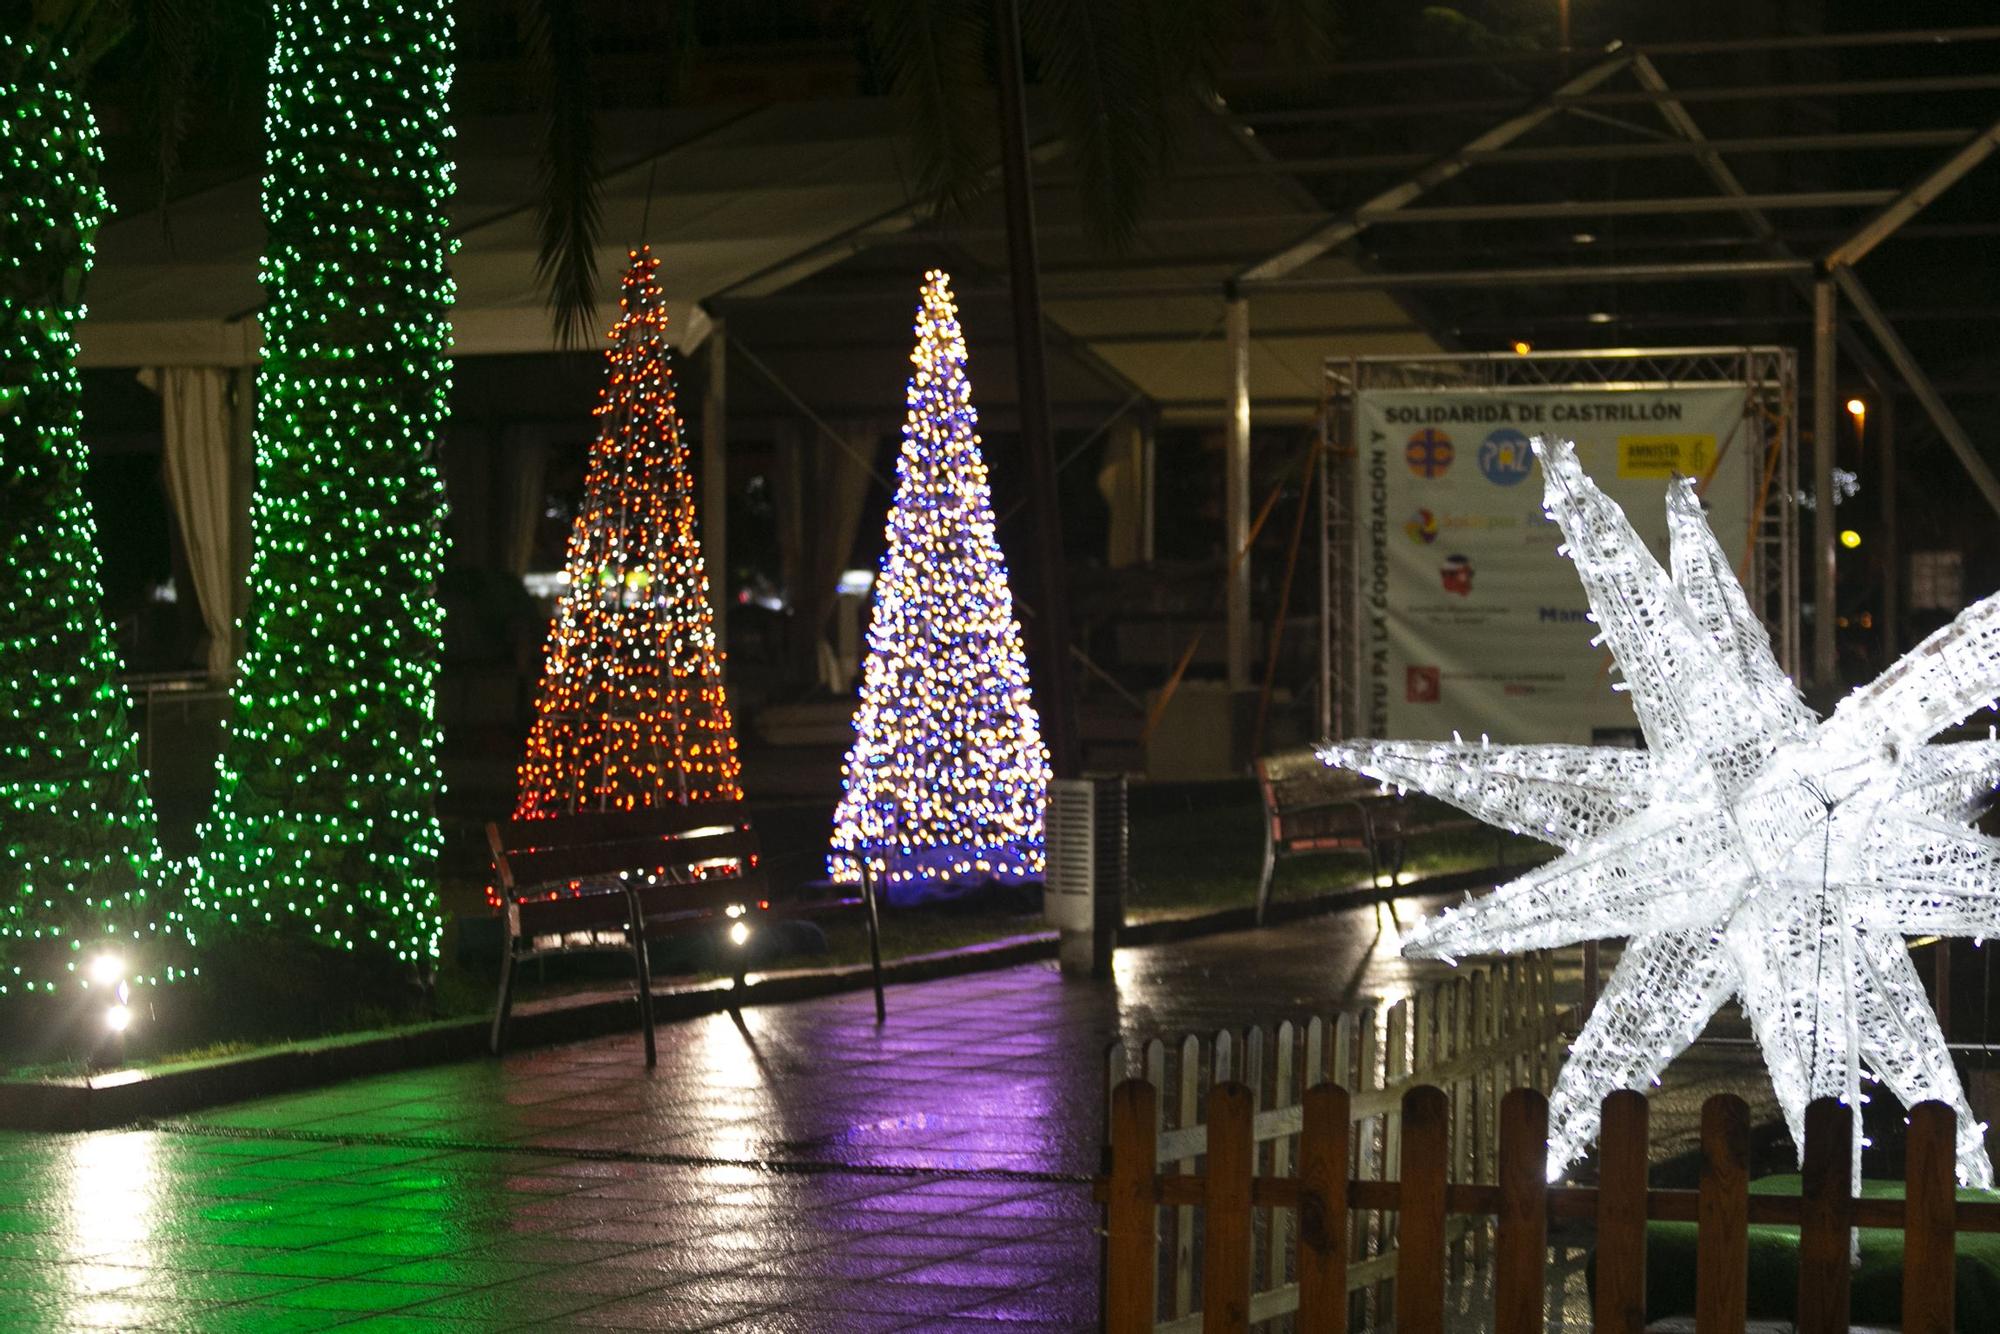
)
(747, 204)
(722, 194)
(799, 222)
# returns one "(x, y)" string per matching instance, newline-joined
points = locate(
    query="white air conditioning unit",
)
(1084, 834)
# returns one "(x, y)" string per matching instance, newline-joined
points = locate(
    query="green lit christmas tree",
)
(325, 823)
(79, 862)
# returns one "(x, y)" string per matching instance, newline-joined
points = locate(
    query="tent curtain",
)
(1122, 481)
(197, 419)
(820, 485)
(526, 494)
(840, 491)
(788, 476)
(466, 456)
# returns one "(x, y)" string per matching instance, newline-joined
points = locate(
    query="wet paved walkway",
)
(796, 1168)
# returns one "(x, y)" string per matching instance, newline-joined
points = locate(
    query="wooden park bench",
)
(1313, 809)
(614, 881)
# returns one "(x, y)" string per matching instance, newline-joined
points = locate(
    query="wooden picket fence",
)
(1322, 1197)
(1475, 1035)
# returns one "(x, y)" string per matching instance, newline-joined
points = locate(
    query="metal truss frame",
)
(1823, 281)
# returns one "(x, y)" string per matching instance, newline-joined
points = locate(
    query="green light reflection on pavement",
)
(113, 1193)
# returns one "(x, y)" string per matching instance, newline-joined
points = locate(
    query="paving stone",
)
(248, 1318)
(658, 1311)
(779, 1321)
(795, 1168)
(415, 1324)
(522, 1303)
(358, 1294)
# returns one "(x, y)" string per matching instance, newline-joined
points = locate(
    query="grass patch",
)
(1198, 849)
(1195, 849)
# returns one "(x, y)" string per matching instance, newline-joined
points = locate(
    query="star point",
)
(1752, 849)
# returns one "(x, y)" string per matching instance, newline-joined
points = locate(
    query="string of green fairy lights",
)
(325, 819)
(80, 866)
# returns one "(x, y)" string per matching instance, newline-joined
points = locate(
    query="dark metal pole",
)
(1892, 547)
(1051, 671)
(874, 936)
(1941, 1002)
(1825, 670)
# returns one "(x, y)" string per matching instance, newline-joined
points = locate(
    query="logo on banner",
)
(1664, 456)
(1420, 685)
(1505, 457)
(1422, 527)
(1428, 453)
(1456, 575)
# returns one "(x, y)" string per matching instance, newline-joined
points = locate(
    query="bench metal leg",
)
(642, 969)
(1373, 841)
(498, 1039)
(1396, 877)
(1395, 920)
(739, 978)
(875, 941)
(1270, 867)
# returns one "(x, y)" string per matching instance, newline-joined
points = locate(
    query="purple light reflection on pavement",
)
(797, 1169)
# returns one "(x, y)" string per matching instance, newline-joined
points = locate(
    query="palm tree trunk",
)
(325, 825)
(78, 854)
(1053, 689)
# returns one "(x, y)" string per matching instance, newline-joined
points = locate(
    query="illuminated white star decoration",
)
(1751, 850)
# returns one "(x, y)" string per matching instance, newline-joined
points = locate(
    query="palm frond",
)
(1102, 79)
(1124, 79)
(934, 53)
(570, 207)
(1448, 31)
(1185, 46)
(85, 29)
(175, 33)
(1303, 31)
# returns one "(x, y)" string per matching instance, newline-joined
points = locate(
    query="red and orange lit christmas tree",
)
(631, 711)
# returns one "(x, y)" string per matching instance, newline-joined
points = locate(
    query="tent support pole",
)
(1825, 669)
(715, 478)
(1236, 492)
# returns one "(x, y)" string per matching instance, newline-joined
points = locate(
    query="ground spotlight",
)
(739, 932)
(118, 1018)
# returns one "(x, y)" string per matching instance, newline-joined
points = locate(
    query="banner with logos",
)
(1470, 620)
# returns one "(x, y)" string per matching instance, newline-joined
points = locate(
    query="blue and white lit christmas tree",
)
(947, 779)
